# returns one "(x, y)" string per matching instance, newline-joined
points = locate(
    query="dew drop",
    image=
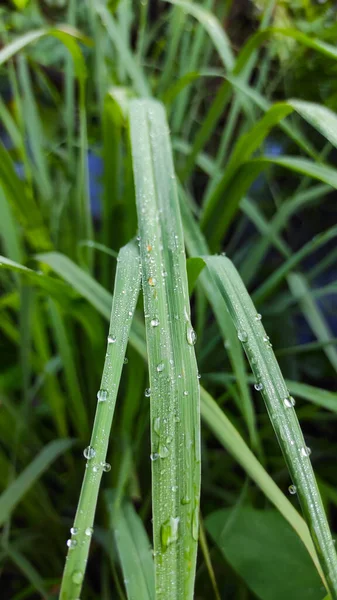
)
(89, 531)
(160, 367)
(89, 452)
(154, 456)
(258, 317)
(289, 402)
(152, 281)
(106, 467)
(95, 469)
(154, 322)
(71, 544)
(102, 395)
(130, 313)
(292, 489)
(198, 376)
(169, 532)
(195, 524)
(191, 336)
(163, 451)
(126, 360)
(185, 393)
(258, 386)
(77, 577)
(305, 451)
(185, 500)
(243, 336)
(174, 488)
(156, 425)
(266, 338)
(111, 339)
(74, 530)
(147, 392)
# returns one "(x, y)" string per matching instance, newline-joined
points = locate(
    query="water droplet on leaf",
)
(77, 577)
(147, 392)
(111, 339)
(154, 322)
(71, 544)
(292, 489)
(89, 452)
(89, 531)
(243, 336)
(258, 386)
(305, 451)
(156, 425)
(169, 532)
(191, 336)
(102, 395)
(289, 402)
(160, 367)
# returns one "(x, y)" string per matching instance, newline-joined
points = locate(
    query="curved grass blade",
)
(277, 277)
(16, 490)
(323, 119)
(312, 314)
(232, 441)
(196, 246)
(213, 28)
(125, 297)
(279, 404)
(133, 69)
(134, 551)
(175, 427)
(93, 292)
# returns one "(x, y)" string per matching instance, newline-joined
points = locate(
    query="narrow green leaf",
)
(279, 404)
(194, 267)
(196, 246)
(278, 276)
(16, 490)
(134, 551)
(127, 284)
(175, 427)
(313, 315)
(213, 28)
(231, 440)
(81, 281)
(131, 66)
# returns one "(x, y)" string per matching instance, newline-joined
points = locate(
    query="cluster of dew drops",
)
(191, 338)
(89, 453)
(289, 401)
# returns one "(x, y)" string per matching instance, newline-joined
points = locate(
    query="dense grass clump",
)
(162, 170)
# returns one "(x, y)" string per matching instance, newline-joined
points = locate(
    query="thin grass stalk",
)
(127, 284)
(280, 407)
(174, 388)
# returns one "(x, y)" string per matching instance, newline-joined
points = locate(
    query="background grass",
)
(250, 96)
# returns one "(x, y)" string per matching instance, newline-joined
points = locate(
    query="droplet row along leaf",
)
(175, 429)
(280, 406)
(127, 285)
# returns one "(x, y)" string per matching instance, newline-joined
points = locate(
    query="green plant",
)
(242, 165)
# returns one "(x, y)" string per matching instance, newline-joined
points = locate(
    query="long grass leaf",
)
(134, 551)
(129, 62)
(231, 440)
(20, 486)
(279, 404)
(127, 284)
(175, 427)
